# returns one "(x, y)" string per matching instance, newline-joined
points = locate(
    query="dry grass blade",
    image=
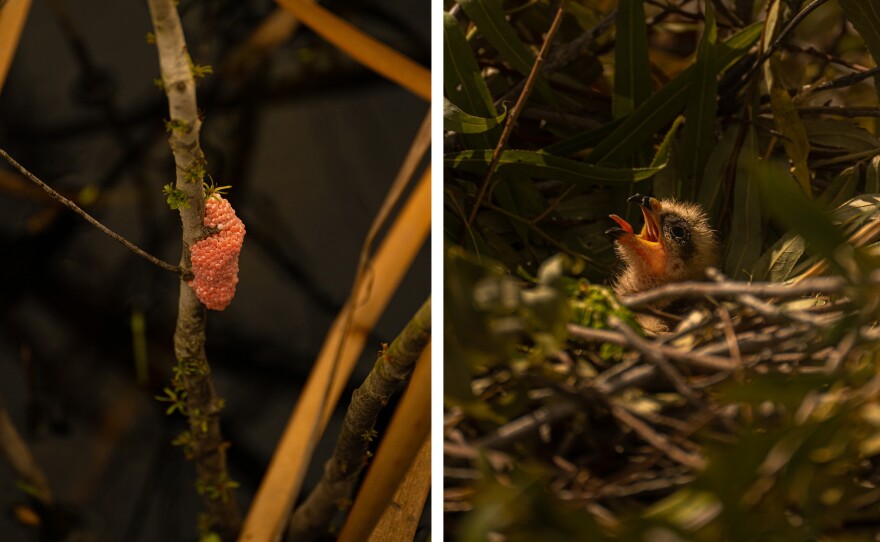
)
(406, 435)
(22, 460)
(352, 451)
(401, 519)
(13, 14)
(274, 500)
(375, 55)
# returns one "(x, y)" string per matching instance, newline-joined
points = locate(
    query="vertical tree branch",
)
(204, 441)
(343, 470)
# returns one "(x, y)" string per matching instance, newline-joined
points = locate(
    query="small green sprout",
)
(176, 125)
(212, 190)
(175, 197)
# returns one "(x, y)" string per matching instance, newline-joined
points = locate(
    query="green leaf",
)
(540, 165)
(865, 17)
(583, 140)
(795, 140)
(841, 188)
(493, 25)
(667, 103)
(632, 74)
(746, 229)
(778, 262)
(699, 131)
(462, 81)
(458, 121)
(839, 134)
(872, 179)
(716, 173)
(785, 201)
(521, 197)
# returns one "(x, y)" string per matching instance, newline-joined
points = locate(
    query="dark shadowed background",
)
(310, 142)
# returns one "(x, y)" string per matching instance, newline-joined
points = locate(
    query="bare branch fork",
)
(204, 441)
(89, 218)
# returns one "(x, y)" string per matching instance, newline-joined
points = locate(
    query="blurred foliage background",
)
(764, 112)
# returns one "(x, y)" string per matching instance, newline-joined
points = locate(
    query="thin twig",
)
(792, 24)
(657, 440)
(694, 290)
(91, 220)
(515, 112)
(650, 353)
(705, 362)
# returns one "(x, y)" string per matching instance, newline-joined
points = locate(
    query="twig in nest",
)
(765, 309)
(694, 290)
(650, 353)
(527, 424)
(657, 440)
(700, 361)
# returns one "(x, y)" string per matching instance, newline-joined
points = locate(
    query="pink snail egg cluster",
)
(215, 258)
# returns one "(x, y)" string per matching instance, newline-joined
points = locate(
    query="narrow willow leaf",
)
(778, 262)
(746, 229)
(853, 214)
(872, 179)
(539, 165)
(699, 131)
(795, 140)
(715, 177)
(632, 74)
(668, 102)
(521, 197)
(462, 81)
(583, 140)
(663, 150)
(839, 134)
(786, 202)
(666, 179)
(841, 188)
(458, 121)
(865, 17)
(492, 23)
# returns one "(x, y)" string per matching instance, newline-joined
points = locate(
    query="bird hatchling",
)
(676, 244)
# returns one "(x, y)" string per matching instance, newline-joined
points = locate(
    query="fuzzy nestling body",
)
(676, 244)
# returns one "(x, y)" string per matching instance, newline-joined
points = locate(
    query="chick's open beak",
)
(648, 243)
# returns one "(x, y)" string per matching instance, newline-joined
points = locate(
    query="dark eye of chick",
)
(678, 233)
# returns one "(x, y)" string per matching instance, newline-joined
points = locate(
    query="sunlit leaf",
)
(458, 121)
(777, 263)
